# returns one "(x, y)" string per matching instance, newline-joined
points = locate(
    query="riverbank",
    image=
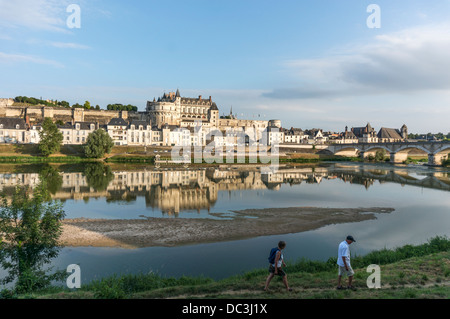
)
(241, 224)
(29, 153)
(408, 272)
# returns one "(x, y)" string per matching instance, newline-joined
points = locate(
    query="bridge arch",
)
(376, 147)
(443, 149)
(411, 147)
(437, 152)
(345, 149)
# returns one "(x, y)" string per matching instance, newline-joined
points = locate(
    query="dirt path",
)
(280, 289)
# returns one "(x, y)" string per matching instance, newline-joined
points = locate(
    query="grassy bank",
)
(29, 153)
(39, 159)
(421, 271)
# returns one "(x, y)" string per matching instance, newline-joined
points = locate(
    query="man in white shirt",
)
(344, 262)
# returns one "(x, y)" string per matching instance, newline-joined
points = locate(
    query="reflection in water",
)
(180, 189)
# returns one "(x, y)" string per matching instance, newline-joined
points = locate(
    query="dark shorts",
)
(279, 273)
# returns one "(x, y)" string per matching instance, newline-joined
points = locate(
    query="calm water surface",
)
(419, 195)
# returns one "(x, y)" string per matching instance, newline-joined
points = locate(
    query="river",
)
(418, 194)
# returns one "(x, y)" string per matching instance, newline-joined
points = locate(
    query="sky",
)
(311, 64)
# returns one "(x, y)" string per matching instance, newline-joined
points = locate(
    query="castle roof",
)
(360, 131)
(389, 133)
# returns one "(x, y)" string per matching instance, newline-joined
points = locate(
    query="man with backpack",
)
(276, 261)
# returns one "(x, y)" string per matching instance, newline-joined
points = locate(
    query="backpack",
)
(272, 255)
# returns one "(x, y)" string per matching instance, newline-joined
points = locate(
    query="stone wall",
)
(36, 114)
(6, 102)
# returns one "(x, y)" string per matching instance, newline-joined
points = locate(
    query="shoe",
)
(340, 288)
(290, 289)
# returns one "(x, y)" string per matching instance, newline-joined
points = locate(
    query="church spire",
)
(178, 93)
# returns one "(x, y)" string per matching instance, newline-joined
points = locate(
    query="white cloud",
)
(410, 61)
(69, 45)
(22, 58)
(34, 14)
(4, 37)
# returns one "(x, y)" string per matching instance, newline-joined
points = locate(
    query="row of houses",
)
(365, 134)
(368, 134)
(138, 133)
(141, 133)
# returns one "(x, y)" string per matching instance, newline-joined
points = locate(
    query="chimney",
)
(210, 100)
(199, 97)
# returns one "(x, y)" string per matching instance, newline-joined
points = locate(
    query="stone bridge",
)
(437, 151)
(436, 181)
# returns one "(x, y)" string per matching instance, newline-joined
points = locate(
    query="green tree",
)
(446, 162)
(30, 227)
(50, 138)
(64, 104)
(87, 105)
(121, 107)
(77, 106)
(379, 155)
(98, 144)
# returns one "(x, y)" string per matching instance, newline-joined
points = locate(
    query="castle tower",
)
(214, 115)
(404, 131)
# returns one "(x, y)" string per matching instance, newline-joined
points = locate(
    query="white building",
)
(275, 135)
(117, 128)
(139, 133)
(77, 133)
(13, 130)
(180, 137)
(34, 133)
(295, 136)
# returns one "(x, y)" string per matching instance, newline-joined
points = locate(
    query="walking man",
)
(344, 262)
(276, 261)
